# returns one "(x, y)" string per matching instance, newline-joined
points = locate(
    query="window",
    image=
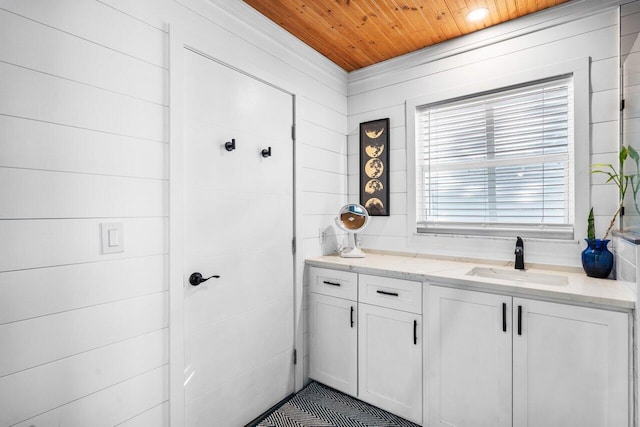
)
(498, 163)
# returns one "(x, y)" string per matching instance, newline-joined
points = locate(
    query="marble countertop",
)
(578, 288)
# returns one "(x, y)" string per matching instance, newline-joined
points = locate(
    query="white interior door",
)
(239, 225)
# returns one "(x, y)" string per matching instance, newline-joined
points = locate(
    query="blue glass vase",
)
(597, 260)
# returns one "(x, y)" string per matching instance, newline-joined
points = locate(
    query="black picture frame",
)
(374, 167)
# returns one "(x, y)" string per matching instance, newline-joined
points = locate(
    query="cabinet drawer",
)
(398, 294)
(335, 283)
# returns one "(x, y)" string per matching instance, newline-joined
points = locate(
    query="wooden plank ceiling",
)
(358, 33)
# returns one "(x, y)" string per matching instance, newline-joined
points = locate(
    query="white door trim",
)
(176, 229)
(178, 43)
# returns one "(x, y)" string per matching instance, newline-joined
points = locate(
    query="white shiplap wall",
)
(84, 139)
(381, 91)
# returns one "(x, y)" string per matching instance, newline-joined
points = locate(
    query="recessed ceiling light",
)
(478, 14)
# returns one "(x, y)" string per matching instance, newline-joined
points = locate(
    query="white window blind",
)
(498, 163)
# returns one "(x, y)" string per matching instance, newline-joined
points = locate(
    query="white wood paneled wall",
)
(84, 139)
(82, 113)
(380, 92)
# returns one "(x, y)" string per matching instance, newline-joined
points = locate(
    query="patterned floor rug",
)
(319, 406)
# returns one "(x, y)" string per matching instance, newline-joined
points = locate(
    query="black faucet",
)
(519, 254)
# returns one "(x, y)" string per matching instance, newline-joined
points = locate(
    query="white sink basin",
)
(519, 276)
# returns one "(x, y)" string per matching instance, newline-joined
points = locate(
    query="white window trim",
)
(580, 69)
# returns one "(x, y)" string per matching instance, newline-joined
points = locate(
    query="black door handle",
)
(519, 320)
(504, 317)
(352, 316)
(415, 332)
(196, 278)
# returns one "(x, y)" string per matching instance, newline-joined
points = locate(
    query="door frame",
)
(179, 41)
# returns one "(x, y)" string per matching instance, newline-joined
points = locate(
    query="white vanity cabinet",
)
(570, 365)
(365, 338)
(468, 358)
(333, 332)
(390, 345)
(496, 360)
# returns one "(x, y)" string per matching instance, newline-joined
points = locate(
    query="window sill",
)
(496, 238)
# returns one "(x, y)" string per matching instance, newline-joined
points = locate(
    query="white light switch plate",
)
(112, 237)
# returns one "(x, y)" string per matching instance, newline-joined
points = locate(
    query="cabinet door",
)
(468, 343)
(390, 360)
(571, 366)
(333, 342)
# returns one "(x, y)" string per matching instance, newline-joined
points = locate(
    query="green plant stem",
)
(613, 221)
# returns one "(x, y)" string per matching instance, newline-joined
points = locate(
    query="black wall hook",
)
(266, 152)
(196, 278)
(230, 145)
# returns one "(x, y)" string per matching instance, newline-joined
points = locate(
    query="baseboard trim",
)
(269, 411)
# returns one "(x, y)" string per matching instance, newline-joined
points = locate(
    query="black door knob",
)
(196, 278)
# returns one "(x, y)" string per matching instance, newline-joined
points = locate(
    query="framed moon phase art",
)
(374, 167)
